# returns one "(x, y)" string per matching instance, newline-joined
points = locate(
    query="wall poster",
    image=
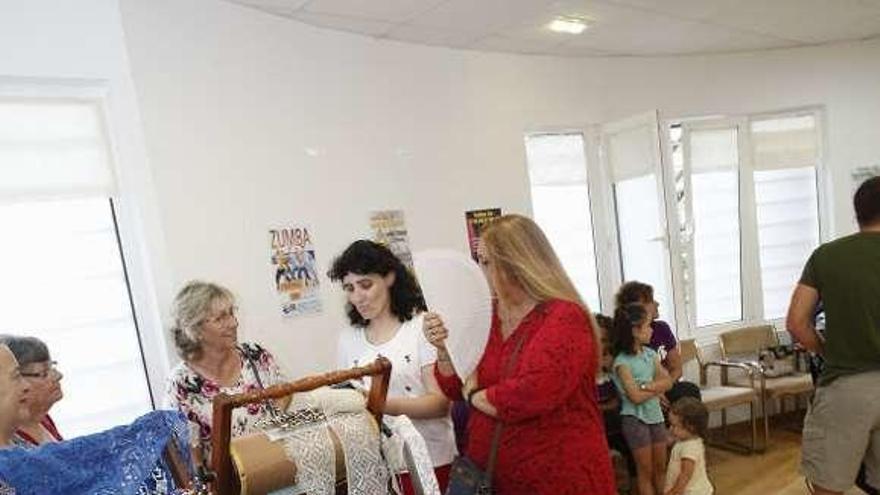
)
(476, 221)
(296, 273)
(389, 229)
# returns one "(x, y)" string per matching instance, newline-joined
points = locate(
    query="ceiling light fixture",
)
(569, 25)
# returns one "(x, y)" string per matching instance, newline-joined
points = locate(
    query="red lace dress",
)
(553, 440)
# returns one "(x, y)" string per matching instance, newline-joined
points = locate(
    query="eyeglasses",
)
(52, 370)
(223, 317)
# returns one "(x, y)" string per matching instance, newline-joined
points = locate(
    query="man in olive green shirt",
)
(843, 424)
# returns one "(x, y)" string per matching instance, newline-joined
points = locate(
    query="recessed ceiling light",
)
(569, 25)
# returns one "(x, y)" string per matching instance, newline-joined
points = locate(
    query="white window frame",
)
(605, 229)
(751, 283)
(612, 264)
(608, 263)
(750, 276)
(133, 196)
(824, 181)
(589, 133)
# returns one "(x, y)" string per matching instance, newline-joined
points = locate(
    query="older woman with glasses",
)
(205, 333)
(13, 388)
(35, 426)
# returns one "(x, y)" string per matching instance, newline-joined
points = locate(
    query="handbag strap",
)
(270, 405)
(496, 435)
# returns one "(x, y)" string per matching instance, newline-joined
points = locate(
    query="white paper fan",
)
(455, 288)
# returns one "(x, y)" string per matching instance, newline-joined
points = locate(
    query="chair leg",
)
(731, 445)
(766, 422)
(724, 422)
(754, 421)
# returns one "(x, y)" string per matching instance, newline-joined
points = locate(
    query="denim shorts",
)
(639, 434)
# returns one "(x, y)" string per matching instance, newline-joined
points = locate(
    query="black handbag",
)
(465, 477)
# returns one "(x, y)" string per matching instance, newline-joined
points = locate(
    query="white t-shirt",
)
(689, 449)
(408, 352)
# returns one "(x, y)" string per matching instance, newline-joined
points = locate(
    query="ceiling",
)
(620, 27)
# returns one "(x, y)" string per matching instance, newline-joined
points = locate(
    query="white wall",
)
(58, 48)
(231, 99)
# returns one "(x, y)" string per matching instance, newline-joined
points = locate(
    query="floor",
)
(775, 472)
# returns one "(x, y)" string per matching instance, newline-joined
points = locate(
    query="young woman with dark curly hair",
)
(385, 306)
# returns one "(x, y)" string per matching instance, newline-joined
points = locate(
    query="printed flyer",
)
(296, 274)
(389, 229)
(476, 221)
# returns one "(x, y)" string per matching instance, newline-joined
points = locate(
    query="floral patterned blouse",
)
(193, 394)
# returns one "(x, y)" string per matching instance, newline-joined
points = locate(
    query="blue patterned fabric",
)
(126, 460)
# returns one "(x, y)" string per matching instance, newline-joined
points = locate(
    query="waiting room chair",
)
(722, 397)
(744, 345)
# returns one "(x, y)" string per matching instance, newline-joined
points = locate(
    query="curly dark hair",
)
(633, 292)
(693, 414)
(626, 317)
(365, 257)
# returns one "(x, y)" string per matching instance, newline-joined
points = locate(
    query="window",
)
(643, 254)
(711, 164)
(750, 218)
(632, 159)
(786, 196)
(561, 205)
(64, 278)
(720, 227)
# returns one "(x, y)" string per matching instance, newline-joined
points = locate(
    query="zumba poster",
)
(296, 274)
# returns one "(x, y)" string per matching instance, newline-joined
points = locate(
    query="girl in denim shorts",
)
(641, 380)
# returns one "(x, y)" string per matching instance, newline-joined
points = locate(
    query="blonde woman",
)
(552, 439)
(205, 333)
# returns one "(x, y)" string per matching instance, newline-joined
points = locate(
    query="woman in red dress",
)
(552, 440)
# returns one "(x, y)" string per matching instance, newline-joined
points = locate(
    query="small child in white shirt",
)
(686, 473)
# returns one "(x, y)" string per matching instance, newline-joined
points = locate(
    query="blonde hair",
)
(520, 250)
(190, 308)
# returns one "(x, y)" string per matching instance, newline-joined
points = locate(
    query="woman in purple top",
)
(662, 340)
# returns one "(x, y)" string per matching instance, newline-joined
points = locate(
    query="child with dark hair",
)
(640, 380)
(385, 308)
(662, 340)
(609, 403)
(686, 474)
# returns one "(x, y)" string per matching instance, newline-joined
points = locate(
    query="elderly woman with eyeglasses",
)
(35, 427)
(205, 332)
(13, 388)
